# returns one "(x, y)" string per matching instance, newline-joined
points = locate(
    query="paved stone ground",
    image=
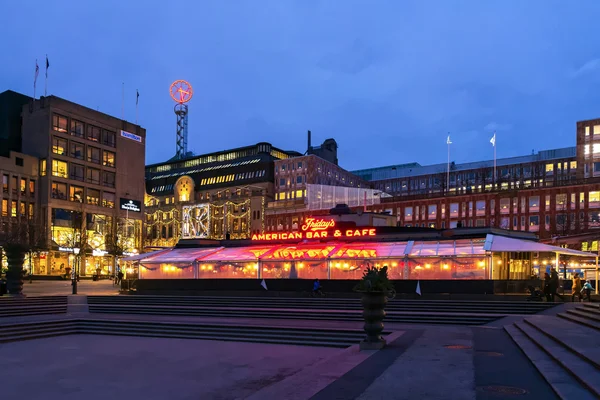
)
(93, 367)
(58, 288)
(421, 363)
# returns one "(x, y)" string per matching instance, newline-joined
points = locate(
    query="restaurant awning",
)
(495, 243)
(180, 256)
(144, 255)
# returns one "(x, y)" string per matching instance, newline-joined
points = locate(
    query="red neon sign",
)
(314, 224)
(318, 234)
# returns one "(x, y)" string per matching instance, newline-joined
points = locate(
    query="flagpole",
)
(495, 171)
(35, 78)
(123, 101)
(448, 167)
(448, 142)
(137, 97)
(46, 80)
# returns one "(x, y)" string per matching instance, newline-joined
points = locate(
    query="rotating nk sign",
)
(181, 91)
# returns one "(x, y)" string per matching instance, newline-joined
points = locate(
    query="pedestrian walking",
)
(554, 284)
(576, 287)
(587, 290)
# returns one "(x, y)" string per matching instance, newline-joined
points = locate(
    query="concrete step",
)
(591, 308)
(583, 314)
(402, 305)
(579, 339)
(7, 301)
(564, 385)
(455, 319)
(274, 335)
(583, 320)
(28, 311)
(585, 373)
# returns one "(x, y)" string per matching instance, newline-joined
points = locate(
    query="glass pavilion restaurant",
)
(463, 260)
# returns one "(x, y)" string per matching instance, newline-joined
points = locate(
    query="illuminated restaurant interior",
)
(490, 257)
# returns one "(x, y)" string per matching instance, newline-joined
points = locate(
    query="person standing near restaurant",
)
(576, 288)
(554, 284)
(547, 290)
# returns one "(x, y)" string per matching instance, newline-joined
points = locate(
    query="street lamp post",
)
(75, 269)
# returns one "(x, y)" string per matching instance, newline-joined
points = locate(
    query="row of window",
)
(77, 150)
(16, 185)
(232, 155)
(562, 201)
(79, 194)
(483, 180)
(77, 129)
(78, 172)
(288, 181)
(198, 170)
(17, 208)
(294, 194)
(288, 167)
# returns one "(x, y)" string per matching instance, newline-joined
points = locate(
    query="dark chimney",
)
(309, 144)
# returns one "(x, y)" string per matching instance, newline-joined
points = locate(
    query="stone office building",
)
(90, 183)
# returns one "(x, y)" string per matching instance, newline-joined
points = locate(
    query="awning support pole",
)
(557, 266)
(596, 274)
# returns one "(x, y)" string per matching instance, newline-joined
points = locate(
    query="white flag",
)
(493, 140)
(418, 288)
(448, 140)
(264, 284)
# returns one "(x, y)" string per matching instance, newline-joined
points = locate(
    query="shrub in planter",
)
(374, 286)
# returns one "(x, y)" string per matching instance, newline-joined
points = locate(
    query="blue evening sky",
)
(386, 79)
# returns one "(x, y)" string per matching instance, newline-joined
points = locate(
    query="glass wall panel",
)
(294, 270)
(167, 271)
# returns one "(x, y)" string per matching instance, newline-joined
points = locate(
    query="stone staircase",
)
(565, 349)
(398, 311)
(337, 338)
(26, 306)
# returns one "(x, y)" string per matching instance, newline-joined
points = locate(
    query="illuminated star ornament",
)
(181, 91)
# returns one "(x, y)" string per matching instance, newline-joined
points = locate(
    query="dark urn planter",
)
(15, 255)
(373, 313)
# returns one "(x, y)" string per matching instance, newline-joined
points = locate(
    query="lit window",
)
(13, 208)
(42, 167)
(59, 146)
(108, 158)
(432, 211)
(93, 196)
(76, 193)
(454, 209)
(59, 191)
(23, 186)
(60, 169)
(299, 194)
(586, 149)
(549, 169)
(108, 200)
(573, 165)
(596, 148)
(594, 199)
(587, 131)
(59, 123)
(4, 207)
(596, 129)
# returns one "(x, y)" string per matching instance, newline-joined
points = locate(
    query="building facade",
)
(310, 185)
(211, 196)
(19, 217)
(90, 184)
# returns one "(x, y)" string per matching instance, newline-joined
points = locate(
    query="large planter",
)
(15, 255)
(373, 313)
